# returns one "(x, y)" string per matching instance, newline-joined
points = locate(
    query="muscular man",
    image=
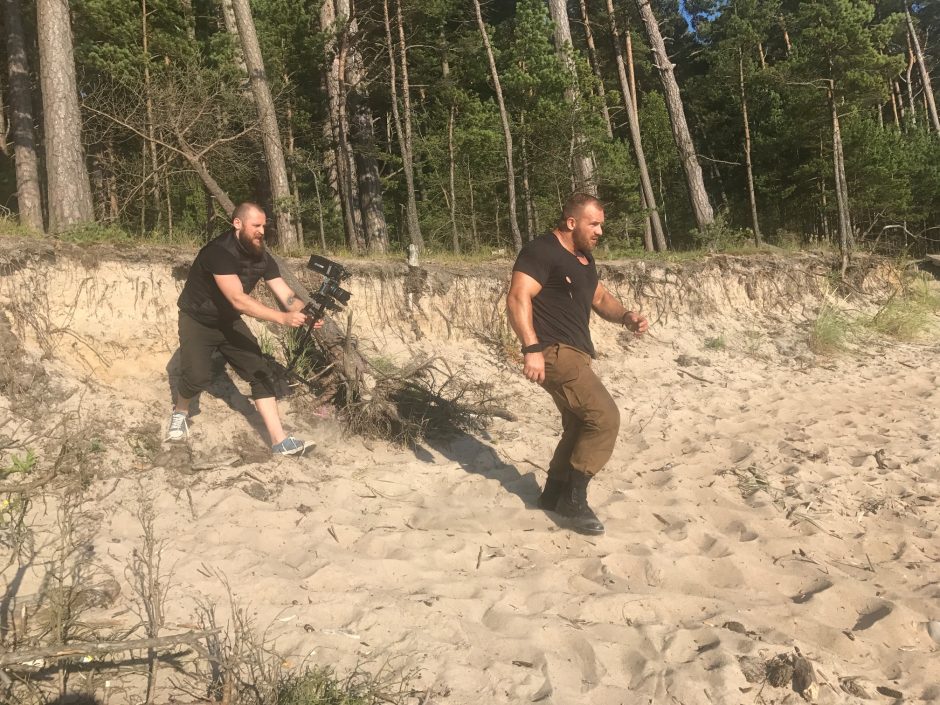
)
(216, 294)
(554, 288)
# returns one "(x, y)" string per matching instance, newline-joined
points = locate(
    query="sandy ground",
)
(760, 501)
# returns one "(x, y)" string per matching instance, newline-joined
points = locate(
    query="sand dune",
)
(760, 500)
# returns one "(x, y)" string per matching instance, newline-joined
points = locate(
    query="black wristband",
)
(534, 348)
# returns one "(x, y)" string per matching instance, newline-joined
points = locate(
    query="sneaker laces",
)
(177, 422)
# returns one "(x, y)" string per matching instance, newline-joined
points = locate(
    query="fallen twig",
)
(103, 647)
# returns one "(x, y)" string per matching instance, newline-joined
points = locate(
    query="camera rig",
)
(329, 297)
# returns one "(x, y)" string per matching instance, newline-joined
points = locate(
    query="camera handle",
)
(315, 310)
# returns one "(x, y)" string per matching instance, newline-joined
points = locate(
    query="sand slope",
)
(759, 500)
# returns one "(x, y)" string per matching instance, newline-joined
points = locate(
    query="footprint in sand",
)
(713, 547)
(676, 530)
(740, 452)
(739, 529)
(809, 593)
(874, 612)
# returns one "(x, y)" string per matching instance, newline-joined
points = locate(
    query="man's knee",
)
(602, 411)
(262, 384)
(194, 379)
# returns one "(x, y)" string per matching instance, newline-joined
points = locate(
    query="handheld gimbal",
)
(329, 297)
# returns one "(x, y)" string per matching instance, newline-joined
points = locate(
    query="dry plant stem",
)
(91, 648)
(150, 586)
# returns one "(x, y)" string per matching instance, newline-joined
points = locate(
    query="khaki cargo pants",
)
(590, 418)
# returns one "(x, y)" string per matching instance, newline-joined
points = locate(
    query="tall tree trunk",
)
(452, 179)
(292, 169)
(28, 192)
(231, 26)
(841, 187)
(270, 134)
(751, 195)
(908, 79)
(526, 190)
(414, 225)
(316, 188)
(151, 145)
(581, 161)
(343, 165)
(212, 186)
(110, 179)
(507, 133)
(473, 210)
(698, 196)
(4, 125)
(631, 75)
(656, 239)
(595, 65)
(363, 136)
(351, 164)
(924, 74)
(69, 187)
(451, 150)
(894, 103)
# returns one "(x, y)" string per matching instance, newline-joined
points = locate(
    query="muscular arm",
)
(522, 289)
(289, 300)
(610, 309)
(231, 287)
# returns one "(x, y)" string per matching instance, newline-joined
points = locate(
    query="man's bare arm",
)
(610, 309)
(522, 289)
(289, 300)
(231, 287)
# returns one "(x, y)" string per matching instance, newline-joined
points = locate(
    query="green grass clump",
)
(716, 343)
(907, 315)
(831, 332)
(321, 686)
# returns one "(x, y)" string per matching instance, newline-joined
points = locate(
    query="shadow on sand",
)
(476, 456)
(222, 387)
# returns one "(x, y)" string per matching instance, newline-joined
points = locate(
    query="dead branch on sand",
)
(426, 398)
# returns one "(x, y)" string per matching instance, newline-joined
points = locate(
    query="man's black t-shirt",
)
(561, 311)
(201, 298)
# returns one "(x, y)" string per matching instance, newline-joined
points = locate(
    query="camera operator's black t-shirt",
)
(201, 297)
(561, 311)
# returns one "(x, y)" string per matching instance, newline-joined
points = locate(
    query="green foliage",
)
(719, 237)
(188, 82)
(716, 343)
(832, 331)
(907, 315)
(322, 686)
(19, 465)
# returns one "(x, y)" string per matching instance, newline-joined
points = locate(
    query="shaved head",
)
(245, 209)
(575, 205)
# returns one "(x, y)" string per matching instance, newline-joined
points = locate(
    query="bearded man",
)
(553, 290)
(216, 294)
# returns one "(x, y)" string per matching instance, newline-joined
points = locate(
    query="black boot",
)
(554, 488)
(573, 505)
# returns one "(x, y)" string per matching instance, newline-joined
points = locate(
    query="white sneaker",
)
(178, 429)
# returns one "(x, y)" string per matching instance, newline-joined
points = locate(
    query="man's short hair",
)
(574, 204)
(244, 209)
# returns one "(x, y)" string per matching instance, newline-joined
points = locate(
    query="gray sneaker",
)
(178, 429)
(292, 446)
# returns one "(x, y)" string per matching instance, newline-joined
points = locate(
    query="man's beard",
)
(254, 249)
(583, 243)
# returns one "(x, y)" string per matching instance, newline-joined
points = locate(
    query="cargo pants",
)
(590, 418)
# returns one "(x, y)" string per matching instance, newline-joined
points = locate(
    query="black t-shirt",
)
(561, 311)
(201, 297)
